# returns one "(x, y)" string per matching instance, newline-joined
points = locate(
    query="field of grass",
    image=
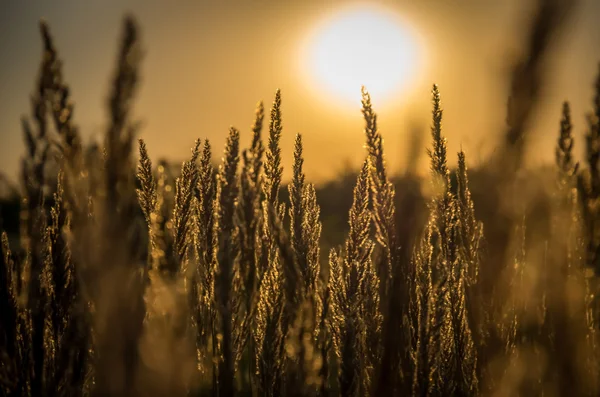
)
(127, 281)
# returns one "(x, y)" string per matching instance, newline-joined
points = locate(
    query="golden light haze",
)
(361, 45)
(207, 64)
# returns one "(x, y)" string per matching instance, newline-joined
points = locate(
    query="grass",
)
(128, 282)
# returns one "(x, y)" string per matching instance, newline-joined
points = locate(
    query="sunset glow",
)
(312, 198)
(363, 46)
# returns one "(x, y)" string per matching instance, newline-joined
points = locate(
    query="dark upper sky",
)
(208, 63)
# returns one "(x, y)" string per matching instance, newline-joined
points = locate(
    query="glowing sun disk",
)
(363, 46)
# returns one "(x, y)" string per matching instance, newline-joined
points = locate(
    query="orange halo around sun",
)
(360, 46)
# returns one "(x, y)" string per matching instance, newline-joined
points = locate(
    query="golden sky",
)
(207, 64)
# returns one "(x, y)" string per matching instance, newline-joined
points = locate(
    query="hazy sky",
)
(207, 64)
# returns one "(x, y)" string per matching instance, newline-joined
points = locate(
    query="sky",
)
(207, 64)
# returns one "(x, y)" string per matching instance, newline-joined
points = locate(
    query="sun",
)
(362, 46)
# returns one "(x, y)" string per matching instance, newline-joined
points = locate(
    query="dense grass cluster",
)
(128, 282)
